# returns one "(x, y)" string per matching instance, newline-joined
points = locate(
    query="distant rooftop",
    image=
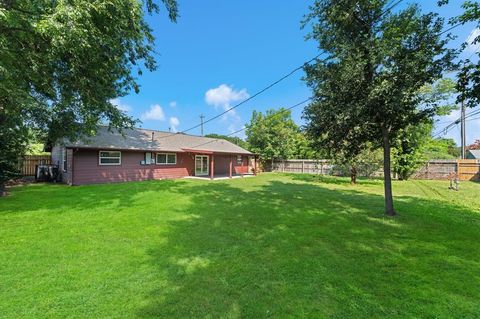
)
(475, 153)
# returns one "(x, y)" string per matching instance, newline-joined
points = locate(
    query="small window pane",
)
(239, 160)
(161, 158)
(110, 160)
(172, 158)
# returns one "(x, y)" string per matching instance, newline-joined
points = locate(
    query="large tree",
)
(366, 89)
(62, 62)
(273, 134)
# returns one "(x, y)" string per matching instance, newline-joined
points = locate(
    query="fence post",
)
(303, 166)
(458, 169)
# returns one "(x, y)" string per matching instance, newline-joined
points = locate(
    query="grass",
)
(272, 246)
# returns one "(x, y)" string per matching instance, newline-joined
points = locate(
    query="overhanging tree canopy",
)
(61, 63)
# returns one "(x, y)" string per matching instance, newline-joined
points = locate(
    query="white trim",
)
(110, 157)
(208, 165)
(166, 158)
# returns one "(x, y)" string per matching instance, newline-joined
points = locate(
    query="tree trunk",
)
(353, 175)
(387, 182)
(3, 189)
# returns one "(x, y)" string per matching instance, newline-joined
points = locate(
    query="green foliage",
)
(273, 246)
(407, 151)
(304, 150)
(61, 62)
(468, 79)
(14, 139)
(36, 149)
(366, 89)
(410, 147)
(234, 139)
(440, 95)
(275, 135)
(364, 164)
(440, 148)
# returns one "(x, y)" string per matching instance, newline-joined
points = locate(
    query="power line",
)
(272, 84)
(452, 124)
(244, 127)
(451, 28)
(390, 8)
(251, 97)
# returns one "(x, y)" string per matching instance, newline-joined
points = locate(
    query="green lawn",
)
(271, 246)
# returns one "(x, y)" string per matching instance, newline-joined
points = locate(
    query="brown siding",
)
(222, 164)
(240, 168)
(88, 171)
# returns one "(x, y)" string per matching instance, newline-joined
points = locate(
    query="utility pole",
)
(462, 130)
(201, 123)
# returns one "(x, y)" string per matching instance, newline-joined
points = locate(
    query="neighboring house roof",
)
(474, 154)
(142, 139)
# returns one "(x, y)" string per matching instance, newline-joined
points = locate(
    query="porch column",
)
(230, 167)
(243, 166)
(255, 165)
(212, 165)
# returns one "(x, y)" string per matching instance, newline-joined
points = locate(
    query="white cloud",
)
(120, 105)
(154, 113)
(173, 104)
(174, 123)
(473, 47)
(223, 96)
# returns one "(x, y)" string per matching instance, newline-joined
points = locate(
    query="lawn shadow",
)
(58, 198)
(286, 249)
(328, 179)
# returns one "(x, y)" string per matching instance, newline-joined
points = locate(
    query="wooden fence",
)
(323, 167)
(433, 169)
(29, 162)
(467, 170)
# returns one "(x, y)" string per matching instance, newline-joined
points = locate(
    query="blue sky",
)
(220, 52)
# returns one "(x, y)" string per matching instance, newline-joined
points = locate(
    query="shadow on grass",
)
(327, 179)
(56, 198)
(287, 249)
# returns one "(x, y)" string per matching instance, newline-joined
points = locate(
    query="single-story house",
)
(141, 154)
(473, 154)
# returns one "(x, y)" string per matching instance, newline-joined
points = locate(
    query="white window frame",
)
(166, 158)
(239, 157)
(109, 157)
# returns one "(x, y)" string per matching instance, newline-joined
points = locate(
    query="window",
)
(109, 158)
(239, 160)
(166, 158)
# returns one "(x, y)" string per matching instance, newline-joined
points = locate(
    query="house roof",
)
(152, 140)
(475, 153)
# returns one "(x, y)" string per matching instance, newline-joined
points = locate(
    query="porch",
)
(219, 177)
(216, 165)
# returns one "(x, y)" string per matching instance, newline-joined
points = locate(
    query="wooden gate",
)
(468, 170)
(31, 161)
